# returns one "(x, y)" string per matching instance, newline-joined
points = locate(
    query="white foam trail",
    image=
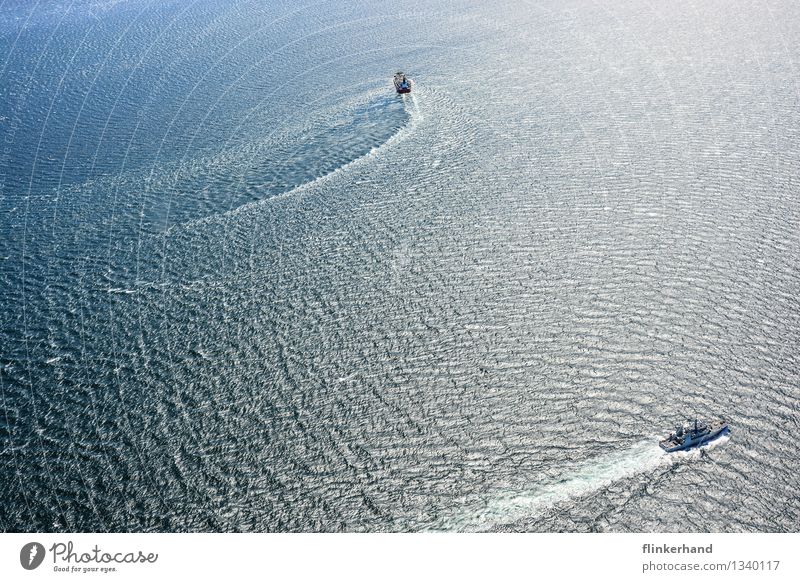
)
(415, 112)
(414, 117)
(592, 475)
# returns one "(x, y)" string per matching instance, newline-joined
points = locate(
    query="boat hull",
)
(402, 84)
(671, 447)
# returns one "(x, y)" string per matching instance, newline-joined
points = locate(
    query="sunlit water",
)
(247, 287)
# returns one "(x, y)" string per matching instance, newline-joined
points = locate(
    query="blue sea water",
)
(244, 286)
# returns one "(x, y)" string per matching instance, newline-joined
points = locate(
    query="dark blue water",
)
(247, 287)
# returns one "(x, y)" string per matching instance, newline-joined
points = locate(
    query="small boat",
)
(693, 436)
(402, 83)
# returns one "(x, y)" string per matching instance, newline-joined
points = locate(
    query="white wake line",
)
(415, 116)
(590, 476)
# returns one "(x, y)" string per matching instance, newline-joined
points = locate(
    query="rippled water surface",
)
(247, 287)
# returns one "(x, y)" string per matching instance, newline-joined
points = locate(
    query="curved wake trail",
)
(590, 476)
(415, 116)
(414, 111)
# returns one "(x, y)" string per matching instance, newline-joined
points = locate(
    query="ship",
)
(402, 83)
(693, 436)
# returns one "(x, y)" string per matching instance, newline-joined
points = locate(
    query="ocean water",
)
(244, 286)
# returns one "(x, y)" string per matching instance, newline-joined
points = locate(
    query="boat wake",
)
(410, 100)
(415, 116)
(590, 476)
